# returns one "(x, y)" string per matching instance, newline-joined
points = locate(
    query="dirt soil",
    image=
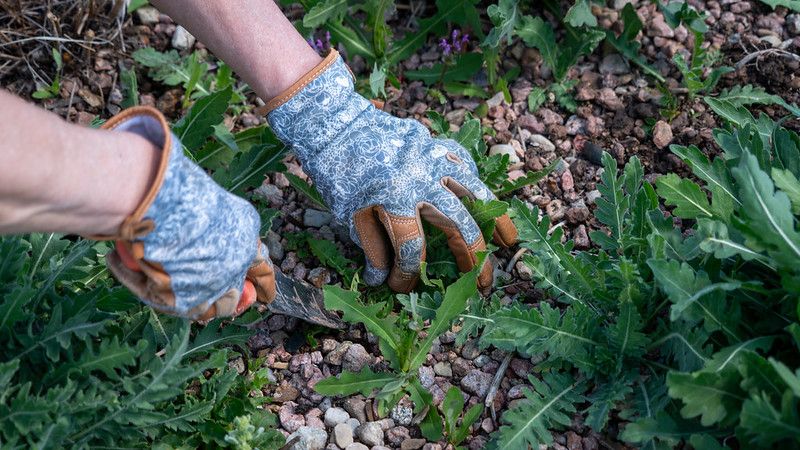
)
(618, 112)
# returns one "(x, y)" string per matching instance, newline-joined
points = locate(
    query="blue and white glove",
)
(191, 248)
(381, 175)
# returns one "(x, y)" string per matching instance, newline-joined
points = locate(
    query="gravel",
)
(355, 358)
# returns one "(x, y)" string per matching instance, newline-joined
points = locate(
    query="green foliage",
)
(627, 44)
(794, 5)
(548, 406)
(452, 408)
(52, 90)
(85, 364)
(402, 346)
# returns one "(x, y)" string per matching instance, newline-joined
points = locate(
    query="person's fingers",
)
(505, 233)
(372, 237)
(446, 212)
(382, 234)
(261, 275)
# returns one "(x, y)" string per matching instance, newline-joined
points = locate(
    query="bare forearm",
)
(65, 178)
(252, 36)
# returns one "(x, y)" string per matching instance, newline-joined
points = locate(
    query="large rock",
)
(370, 433)
(335, 416)
(310, 439)
(355, 358)
(477, 382)
(343, 435)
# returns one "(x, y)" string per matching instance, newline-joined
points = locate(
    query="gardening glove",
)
(190, 249)
(381, 174)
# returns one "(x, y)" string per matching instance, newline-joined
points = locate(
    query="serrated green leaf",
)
(548, 406)
(505, 16)
(769, 214)
(714, 397)
(354, 311)
(198, 124)
(789, 4)
(536, 98)
(689, 201)
(306, 189)
(580, 14)
(324, 11)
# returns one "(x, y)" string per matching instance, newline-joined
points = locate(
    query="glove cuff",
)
(148, 122)
(317, 108)
(298, 85)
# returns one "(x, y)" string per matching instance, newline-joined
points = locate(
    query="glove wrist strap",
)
(135, 225)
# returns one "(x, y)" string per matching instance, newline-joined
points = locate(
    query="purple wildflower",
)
(445, 46)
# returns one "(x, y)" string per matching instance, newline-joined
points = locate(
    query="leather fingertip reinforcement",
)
(505, 233)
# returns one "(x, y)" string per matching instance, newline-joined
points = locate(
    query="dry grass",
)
(30, 30)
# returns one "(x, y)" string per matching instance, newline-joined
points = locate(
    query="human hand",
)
(381, 175)
(191, 248)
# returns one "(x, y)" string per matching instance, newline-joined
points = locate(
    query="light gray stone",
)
(343, 435)
(443, 369)
(182, 39)
(537, 140)
(310, 439)
(334, 416)
(476, 382)
(356, 446)
(505, 149)
(316, 218)
(147, 15)
(370, 433)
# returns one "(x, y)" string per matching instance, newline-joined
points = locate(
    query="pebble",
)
(614, 64)
(290, 421)
(495, 101)
(316, 218)
(370, 433)
(274, 246)
(147, 15)
(505, 149)
(355, 407)
(397, 435)
(430, 446)
(271, 193)
(662, 134)
(537, 140)
(567, 182)
(470, 350)
(343, 435)
(592, 196)
(182, 39)
(402, 414)
(573, 441)
(658, 27)
(481, 360)
(319, 276)
(608, 98)
(356, 446)
(575, 125)
(550, 117)
(285, 392)
(460, 367)
(353, 424)
(793, 24)
(412, 444)
(443, 369)
(530, 123)
(355, 358)
(426, 375)
(487, 425)
(523, 271)
(335, 416)
(310, 439)
(580, 237)
(556, 210)
(578, 215)
(476, 382)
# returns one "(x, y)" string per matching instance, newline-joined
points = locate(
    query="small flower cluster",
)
(457, 44)
(318, 44)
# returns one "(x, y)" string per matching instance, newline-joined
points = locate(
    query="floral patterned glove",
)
(381, 174)
(190, 249)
